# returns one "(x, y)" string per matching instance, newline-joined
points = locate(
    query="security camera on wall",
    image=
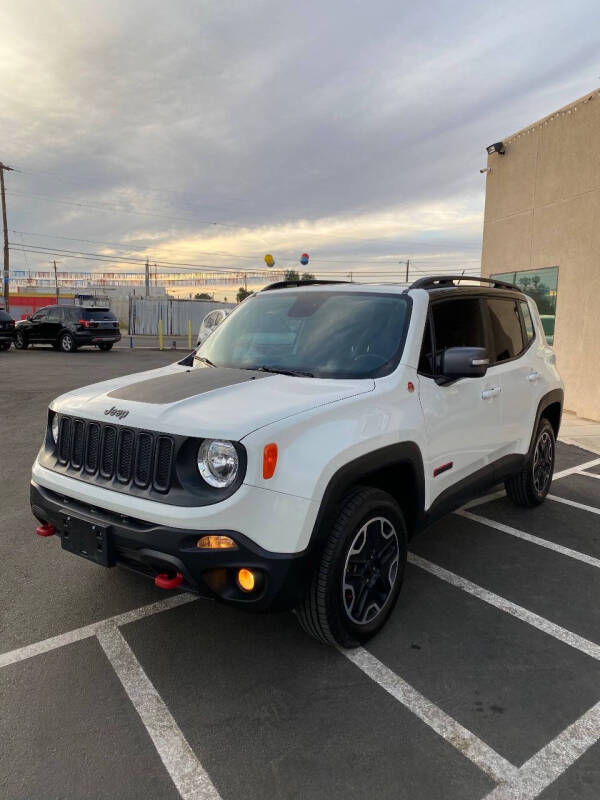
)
(485, 170)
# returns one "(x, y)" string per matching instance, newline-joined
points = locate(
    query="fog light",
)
(216, 542)
(246, 580)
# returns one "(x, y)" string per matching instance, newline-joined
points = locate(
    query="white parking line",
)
(571, 470)
(579, 469)
(477, 751)
(590, 474)
(528, 537)
(186, 772)
(582, 506)
(76, 635)
(551, 761)
(542, 624)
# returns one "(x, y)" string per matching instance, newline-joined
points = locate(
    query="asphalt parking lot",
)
(484, 684)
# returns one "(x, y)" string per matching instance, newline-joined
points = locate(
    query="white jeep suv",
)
(285, 463)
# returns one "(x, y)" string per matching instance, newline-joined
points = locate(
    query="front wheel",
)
(530, 486)
(21, 342)
(357, 580)
(67, 343)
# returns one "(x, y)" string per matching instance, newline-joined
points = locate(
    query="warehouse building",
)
(542, 231)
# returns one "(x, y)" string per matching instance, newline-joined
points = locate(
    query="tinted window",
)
(55, 314)
(506, 328)
(97, 313)
(457, 323)
(526, 314)
(39, 315)
(327, 333)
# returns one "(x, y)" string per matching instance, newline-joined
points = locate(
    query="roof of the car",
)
(436, 288)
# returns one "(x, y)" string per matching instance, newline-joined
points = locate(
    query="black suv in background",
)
(68, 327)
(7, 330)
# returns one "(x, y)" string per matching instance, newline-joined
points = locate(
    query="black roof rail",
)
(289, 284)
(439, 281)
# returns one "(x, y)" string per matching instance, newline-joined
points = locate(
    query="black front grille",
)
(110, 451)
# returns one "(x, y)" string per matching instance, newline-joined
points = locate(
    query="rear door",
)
(462, 418)
(511, 368)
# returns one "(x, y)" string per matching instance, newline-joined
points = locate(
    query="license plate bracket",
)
(88, 540)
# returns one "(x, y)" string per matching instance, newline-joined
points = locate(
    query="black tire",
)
(67, 343)
(331, 607)
(105, 347)
(4, 346)
(21, 342)
(530, 486)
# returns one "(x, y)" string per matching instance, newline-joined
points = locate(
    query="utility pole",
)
(147, 277)
(55, 281)
(407, 262)
(4, 168)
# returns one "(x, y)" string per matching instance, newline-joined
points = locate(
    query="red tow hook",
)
(166, 581)
(46, 530)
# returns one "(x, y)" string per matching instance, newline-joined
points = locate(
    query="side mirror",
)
(465, 362)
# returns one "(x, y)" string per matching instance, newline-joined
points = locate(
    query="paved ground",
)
(485, 683)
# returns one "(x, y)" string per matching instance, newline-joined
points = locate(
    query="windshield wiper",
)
(281, 371)
(205, 361)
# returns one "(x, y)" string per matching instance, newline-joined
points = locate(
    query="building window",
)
(542, 285)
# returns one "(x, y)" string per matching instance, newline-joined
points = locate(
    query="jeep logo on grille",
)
(120, 413)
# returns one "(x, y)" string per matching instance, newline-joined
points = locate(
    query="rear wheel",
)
(530, 486)
(105, 347)
(67, 343)
(358, 578)
(21, 342)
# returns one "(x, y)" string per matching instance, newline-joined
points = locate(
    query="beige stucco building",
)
(542, 210)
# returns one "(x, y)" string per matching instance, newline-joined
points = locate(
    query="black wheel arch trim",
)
(551, 398)
(404, 455)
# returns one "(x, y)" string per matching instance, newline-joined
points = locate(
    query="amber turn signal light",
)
(216, 542)
(269, 460)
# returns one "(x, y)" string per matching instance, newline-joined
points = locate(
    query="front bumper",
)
(152, 549)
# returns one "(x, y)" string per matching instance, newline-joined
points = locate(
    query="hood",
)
(213, 402)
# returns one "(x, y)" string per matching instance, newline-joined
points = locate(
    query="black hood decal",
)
(181, 385)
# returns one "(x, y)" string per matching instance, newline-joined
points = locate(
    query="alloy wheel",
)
(543, 462)
(66, 342)
(370, 570)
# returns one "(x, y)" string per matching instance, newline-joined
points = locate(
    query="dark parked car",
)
(68, 327)
(7, 330)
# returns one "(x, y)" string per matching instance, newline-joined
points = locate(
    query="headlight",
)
(218, 462)
(54, 428)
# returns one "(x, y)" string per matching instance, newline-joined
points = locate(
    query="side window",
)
(457, 323)
(426, 362)
(55, 315)
(40, 315)
(506, 329)
(528, 322)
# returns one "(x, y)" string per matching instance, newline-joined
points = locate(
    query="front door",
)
(462, 418)
(54, 324)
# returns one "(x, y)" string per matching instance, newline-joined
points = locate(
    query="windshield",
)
(325, 334)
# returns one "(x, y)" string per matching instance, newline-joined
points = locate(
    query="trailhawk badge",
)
(120, 413)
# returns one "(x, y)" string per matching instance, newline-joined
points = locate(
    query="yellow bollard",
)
(160, 334)
(189, 334)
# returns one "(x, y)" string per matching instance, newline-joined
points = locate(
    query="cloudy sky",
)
(214, 132)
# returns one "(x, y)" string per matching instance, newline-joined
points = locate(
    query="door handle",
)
(533, 376)
(493, 392)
